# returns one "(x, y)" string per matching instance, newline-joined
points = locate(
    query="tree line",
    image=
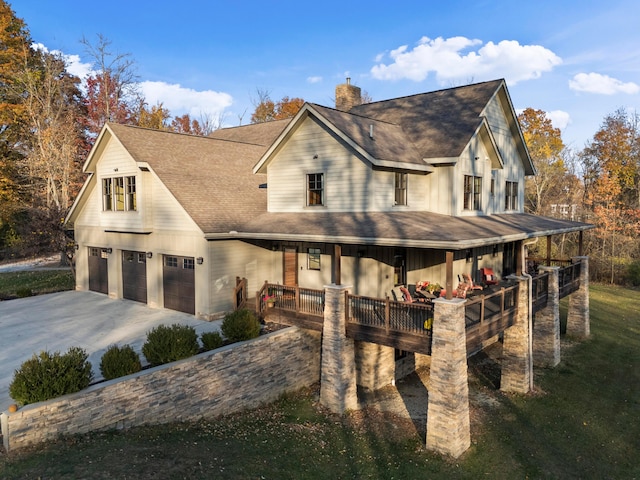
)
(50, 118)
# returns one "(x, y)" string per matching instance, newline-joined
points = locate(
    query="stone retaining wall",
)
(219, 382)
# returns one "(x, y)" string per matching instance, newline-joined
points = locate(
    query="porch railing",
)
(240, 293)
(540, 292)
(415, 318)
(569, 279)
(293, 299)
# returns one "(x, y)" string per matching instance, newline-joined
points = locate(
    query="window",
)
(107, 194)
(187, 263)
(511, 196)
(315, 189)
(131, 193)
(313, 259)
(119, 194)
(171, 262)
(472, 192)
(401, 189)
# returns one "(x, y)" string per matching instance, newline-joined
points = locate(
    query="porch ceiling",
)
(410, 229)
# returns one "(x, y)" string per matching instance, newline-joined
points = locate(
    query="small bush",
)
(240, 325)
(211, 340)
(167, 344)
(119, 361)
(24, 292)
(46, 375)
(633, 273)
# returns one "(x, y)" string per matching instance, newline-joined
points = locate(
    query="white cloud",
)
(315, 79)
(601, 84)
(559, 118)
(458, 59)
(74, 65)
(180, 100)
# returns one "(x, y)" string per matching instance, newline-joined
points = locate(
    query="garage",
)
(179, 283)
(98, 277)
(134, 276)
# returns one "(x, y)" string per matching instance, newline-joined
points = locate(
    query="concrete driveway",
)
(88, 320)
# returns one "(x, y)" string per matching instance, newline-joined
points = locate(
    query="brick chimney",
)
(347, 96)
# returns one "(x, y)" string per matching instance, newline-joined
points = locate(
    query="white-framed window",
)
(401, 188)
(315, 189)
(472, 192)
(313, 259)
(511, 196)
(119, 194)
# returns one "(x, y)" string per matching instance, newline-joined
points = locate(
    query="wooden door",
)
(98, 276)
(134, 276)
(290, 267)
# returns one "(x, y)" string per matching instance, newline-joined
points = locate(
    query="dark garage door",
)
(179, 283)
(134, 276)
(98, 280)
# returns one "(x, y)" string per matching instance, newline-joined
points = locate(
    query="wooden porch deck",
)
(406, 326)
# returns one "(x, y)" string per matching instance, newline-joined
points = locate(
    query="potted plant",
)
(269, 300)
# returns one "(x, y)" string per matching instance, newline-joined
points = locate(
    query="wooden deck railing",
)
(569, 279)
(405, 326)
(293, 299)
(488, 315)
(240, 293)
(539, 291)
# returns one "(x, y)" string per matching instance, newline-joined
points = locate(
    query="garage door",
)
(134, 276)
(98, 280)
(179, 283)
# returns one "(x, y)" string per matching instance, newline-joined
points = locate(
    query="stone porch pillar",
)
(578, 322)
(338, 369)
(546, 334)
(448, 425)
(517, 363)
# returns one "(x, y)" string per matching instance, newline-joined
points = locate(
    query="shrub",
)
(633, 273)
(211, 340)
(167, 344)
(119, 361)
(24, 292)
(240, 325)
(46, 375)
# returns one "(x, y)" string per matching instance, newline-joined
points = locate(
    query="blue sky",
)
(576, 60)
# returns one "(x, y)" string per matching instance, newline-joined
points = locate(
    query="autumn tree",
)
(546, 149)
(156, 117)
(611, 163)
(112, 92)
(268, 110)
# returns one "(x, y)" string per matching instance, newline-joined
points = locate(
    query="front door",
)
(134, 276)
(290, 266)
(98, 277)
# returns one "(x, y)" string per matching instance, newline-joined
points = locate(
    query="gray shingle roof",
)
(210, 177)
(439, 124)
(417, 229)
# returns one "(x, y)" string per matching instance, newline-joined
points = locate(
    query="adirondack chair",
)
(466, 278)
(488, 277)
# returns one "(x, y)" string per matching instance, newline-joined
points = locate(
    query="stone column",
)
(338, 370)
(578, 322)
(546, 334)
(517, 363)
(448, 425)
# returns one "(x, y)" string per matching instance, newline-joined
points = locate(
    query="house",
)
(370, 195)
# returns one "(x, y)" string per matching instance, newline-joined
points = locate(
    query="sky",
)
(578, 61)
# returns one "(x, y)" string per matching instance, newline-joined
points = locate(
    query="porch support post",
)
(448, 425)
(517, 363)
(546, 335)
(337, 261)
(578, 322)
(338, 368)
(520, 254)
(548, 250)
(448, 285)
(581, 243)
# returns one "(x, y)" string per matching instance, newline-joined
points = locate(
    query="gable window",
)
(119, 194)
(401, 188)
(313, 260)
(472, 192)
(315, 189)
(511, 196)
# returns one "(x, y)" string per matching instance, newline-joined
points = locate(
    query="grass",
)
(16, 284)
(580, 422)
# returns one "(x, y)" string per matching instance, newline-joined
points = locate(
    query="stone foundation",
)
(546, 335)
(578, 321)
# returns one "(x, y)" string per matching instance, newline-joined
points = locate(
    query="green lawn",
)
(20, 284)
(582, 422)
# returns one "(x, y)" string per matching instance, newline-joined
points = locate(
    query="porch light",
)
(109, 250)
(149, 254)
(199, 260)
